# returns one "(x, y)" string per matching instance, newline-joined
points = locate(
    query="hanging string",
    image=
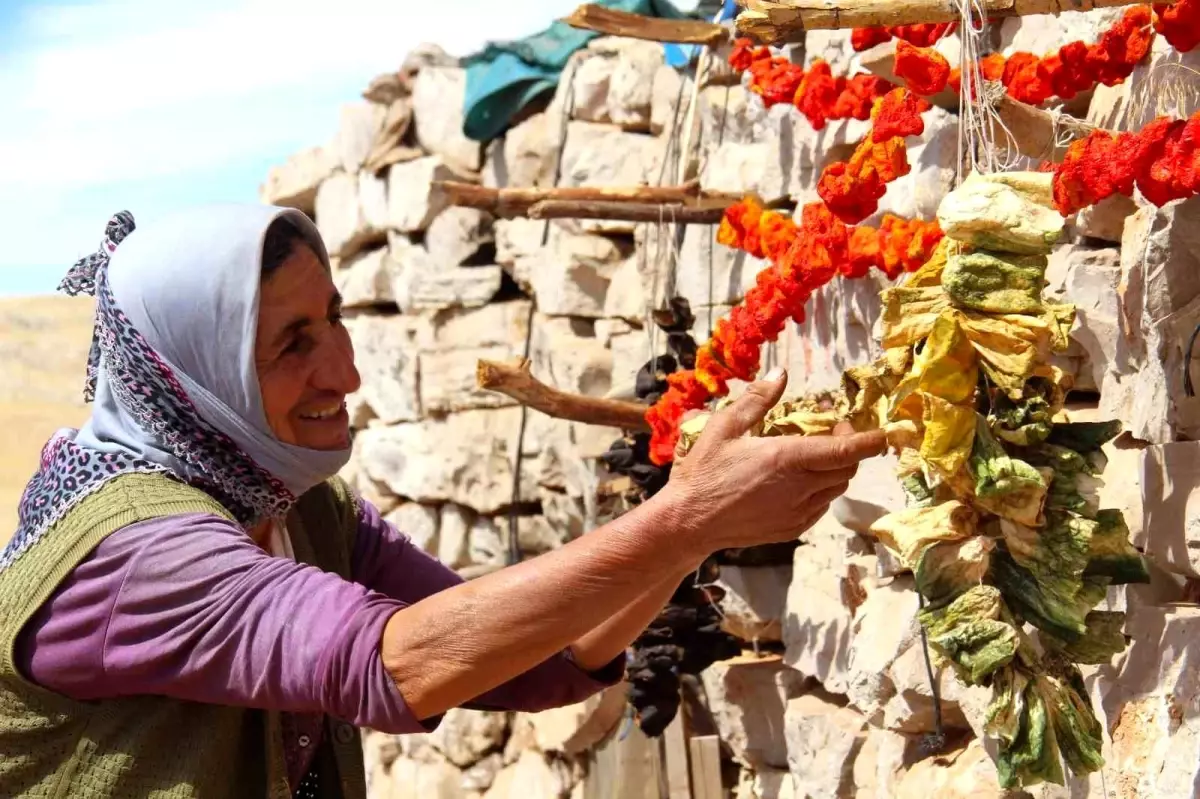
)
(514, 537)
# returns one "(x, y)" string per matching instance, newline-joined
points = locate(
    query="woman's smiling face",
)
(303, 353)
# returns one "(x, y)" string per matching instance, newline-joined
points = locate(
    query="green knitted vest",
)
(151, 746)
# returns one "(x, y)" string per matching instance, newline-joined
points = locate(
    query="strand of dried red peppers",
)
(923, 34)
(1162, 160)
(815, 92)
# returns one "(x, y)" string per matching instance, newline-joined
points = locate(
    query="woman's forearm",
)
(458, 643)
(599, 646)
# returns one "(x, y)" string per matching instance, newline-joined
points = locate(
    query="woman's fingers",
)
(828, 453)
(747, 410)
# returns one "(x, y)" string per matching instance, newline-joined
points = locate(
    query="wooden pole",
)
(635, 26)
(1035, 133)
(627, 212)
(706, 767)
(514, 380)
(517, 201)
(783, 21)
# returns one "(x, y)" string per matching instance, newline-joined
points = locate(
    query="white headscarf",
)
(176, 386)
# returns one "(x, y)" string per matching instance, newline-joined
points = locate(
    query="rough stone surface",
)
(1089, 278)
(587, 161)
(577, 728)
(754, 601)
(365, 279)
(530, 776)
(880, 763)
(412, 203)
(831, 575)
(421, 283)
(493, 325)
(747, 701)
(454, 535)
(525, 156)
(466, 735)
(437, 104)
(360, 124)
(456, 234)
(836, 334)
(295, 182)
(964, 774)
(1170, 479)
(1160, 284)
(465, 457)
(448, 379)
(387, 367)
(822, 742)
(419, 522)
(351, 212)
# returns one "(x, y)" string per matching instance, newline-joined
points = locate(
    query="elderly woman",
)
(193, 605)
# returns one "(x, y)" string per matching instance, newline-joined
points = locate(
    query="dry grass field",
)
(43, 354)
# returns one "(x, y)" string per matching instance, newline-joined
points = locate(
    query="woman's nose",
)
(335, 366)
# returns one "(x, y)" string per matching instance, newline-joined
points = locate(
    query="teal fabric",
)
(506, 76)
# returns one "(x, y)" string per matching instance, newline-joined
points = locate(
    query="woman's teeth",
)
(324, 413)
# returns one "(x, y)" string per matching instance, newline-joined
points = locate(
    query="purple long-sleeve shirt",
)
(191, 608)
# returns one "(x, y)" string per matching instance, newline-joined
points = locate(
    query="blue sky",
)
(153, 105)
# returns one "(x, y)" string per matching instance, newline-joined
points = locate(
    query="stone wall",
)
(837, 701)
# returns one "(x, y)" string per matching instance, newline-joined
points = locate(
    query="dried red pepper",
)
(924, 70)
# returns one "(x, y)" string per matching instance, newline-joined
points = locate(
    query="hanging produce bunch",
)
(1003, 531)
(686, 636)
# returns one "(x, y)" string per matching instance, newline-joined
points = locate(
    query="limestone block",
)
(831, 576)
(590, 80)
(530, 776)
(626, 298)
(519, 238)
(448, 381)
(1159, 291)
(883, 628)
(964, 774)
(631, 85)
(386, 88)
(526, 154)
(564, 514)
(728, 114)
(576, 728)
(294, 183)
(498, 324)
(1170, 481)
(754, 601)
(587, 160)
(833, 47)
(480, 776)
(708, 273)
(454, 535)
(1046, 36)
(420, 283)
(464, 457)
(411, 201)
(837, 333)
(351, 212)
(571, 273)
(390, 145)
(419, 522)
(365, 279)
(359, 124)
(412, 779)
(747, 700)
(388, 366)
(486, 542)
(873, 493)
(1106, 219)
(1147, 697)
(1088, 278)
(456, 234)
(881, 762)
(437, 99)
(630, 351)
(464, 736)
(566, 354)
(822, 741)
(665, 93)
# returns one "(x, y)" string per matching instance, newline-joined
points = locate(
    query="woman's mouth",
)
(323, 414)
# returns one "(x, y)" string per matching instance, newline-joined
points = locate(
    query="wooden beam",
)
(613, 22)
(1035, 133)
(514, 380)
(627, 212)
(675, 756)
(783, 21)
(517, 201)
(706, 767)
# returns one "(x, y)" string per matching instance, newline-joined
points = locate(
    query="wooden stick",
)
(627, 212)
(635, 26)
(514, 380)
(1036, 133)
(782, 21)
(517, 201)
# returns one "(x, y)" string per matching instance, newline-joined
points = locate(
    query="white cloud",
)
(105, 96)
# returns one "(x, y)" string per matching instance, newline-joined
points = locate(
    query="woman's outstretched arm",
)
(591, 595)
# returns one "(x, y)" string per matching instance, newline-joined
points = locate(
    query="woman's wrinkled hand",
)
(737, 491)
